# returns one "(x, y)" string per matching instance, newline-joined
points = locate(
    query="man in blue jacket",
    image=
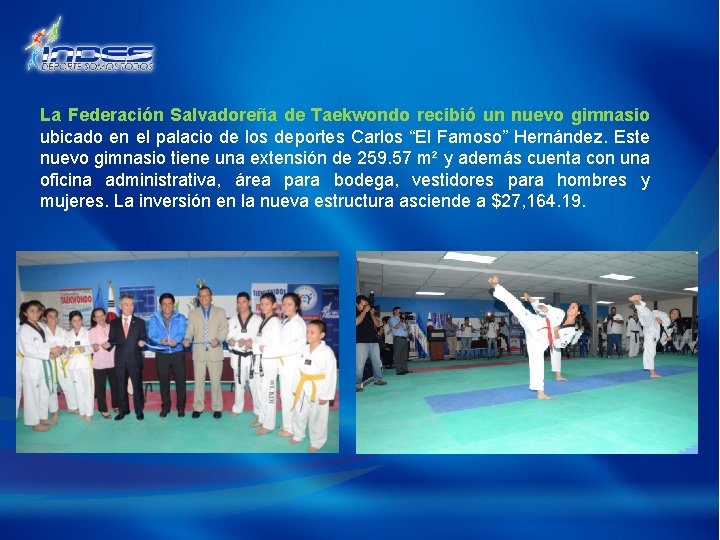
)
(166, 331)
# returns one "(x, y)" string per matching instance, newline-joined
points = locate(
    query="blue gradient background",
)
(661, 56)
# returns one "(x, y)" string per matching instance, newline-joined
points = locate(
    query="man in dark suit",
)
(128, 335)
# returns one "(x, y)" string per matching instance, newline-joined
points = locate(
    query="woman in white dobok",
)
(287, 352)
(37, 376)
(555, 328)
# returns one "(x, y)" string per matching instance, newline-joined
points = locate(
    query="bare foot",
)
(73, 411)
(233, 413)
(655, 375)
(88, 419)
(493, 281)
(262, 431)
(559, 377)
(285, 433)
(527, 297)
(46, 422)
(41, 427)
(256, 423)
(635, 299)
(55, 418)
(543, 395)
(293, 441)
(313, 449)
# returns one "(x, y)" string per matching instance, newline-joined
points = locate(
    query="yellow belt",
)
(63, 364)
(304, 377)
(19, 355)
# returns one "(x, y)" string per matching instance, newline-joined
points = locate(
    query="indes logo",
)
(47, 55)
(308, 297)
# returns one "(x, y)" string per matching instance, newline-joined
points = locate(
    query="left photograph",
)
(177, 352)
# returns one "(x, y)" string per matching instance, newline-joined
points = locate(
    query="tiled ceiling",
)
(659, 275)
(30, 258)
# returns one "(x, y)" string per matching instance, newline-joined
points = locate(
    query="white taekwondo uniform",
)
(62, 368)
(36, 374)
(267, 370)
(634, 333)
(57, 339)
(653, 332)
(287, 354)
(538, 333)
(80, 369)
(315, 380)
(18, 370)
(556, 354)
(241, 363)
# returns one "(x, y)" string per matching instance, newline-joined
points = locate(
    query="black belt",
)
(240, 353)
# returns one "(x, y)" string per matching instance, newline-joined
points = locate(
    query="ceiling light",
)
(482, 259)
(694, 289)
(430, 293)
(619, 277)
(535, 297)
(604, 302)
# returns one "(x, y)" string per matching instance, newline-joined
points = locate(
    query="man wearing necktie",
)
(207, 329)
(128, 336)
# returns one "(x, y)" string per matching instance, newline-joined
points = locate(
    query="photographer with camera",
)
(366, 342)
(401, 343)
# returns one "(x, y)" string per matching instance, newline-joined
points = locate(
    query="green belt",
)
(47, 370)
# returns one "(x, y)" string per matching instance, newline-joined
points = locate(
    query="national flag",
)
(99, 300)
(111, 312)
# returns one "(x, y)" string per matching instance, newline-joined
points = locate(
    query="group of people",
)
(392, 333)
(264, 351)
(80, 361)
(613, 329)
(386, 342)
(497, 335)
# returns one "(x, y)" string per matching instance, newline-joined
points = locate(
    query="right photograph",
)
(526, 352)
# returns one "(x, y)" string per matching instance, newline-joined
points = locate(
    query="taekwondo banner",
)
(330, 314)
(144, 300)
(258, 289)
(516, 335)
(75, 299)
(314, 304)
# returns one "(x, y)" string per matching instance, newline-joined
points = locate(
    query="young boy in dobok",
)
(314, 388)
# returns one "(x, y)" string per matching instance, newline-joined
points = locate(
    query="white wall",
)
(683, 304)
